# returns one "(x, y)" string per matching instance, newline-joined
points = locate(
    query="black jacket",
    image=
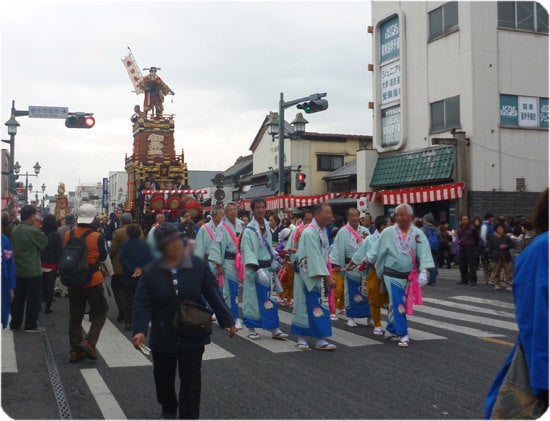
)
(496, 253)
(52, 253)
(134, 253)
(156, 301)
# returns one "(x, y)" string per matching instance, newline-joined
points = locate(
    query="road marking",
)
(467, 317)
(470, 331)
(498, 341)
(272, 345)
(116, 349)
(9, 359)
(338, 335)
(215, 352)
(105, 400)
(483, 301)
(460, 306)
(417, 335)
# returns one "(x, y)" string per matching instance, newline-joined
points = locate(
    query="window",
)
(526, 112)
(445, 114)
(443, 20)
(522, 15)
(329, 162)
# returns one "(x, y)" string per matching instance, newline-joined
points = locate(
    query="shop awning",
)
(423, 194)
(190, 191)
(260, 190)
(291, 201)
(427, 166)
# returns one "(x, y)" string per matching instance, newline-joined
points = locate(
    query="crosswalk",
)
(434, 321)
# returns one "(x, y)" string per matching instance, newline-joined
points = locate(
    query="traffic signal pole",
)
(282, 106)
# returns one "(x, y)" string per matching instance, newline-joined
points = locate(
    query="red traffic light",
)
(301, 177)
(79, 121)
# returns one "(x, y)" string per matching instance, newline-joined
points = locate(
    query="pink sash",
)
(413, 292)
(354, 233)
(239, 264)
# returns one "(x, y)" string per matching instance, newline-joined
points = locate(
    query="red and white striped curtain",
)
(199, 191)
(423, 194)
(291, 201)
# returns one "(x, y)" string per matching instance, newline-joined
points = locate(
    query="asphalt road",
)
(459, 340)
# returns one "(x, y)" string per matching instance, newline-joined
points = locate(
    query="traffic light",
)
(313, 106)
(76, 121)
(300, 180)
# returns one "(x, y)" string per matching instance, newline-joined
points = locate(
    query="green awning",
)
(414, 168)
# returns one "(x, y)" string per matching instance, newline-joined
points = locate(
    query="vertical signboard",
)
(389, 82)
(543, 112)
(105, 194)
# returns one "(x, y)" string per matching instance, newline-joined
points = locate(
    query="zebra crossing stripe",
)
(493, 322)
(467, 307)
(266, 342)
(215, 352)
(478, 300)
(9, 359)
(108, 405)
(417, 335)
(470, 331)
(116, 349)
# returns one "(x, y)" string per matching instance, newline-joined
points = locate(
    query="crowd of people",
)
(167, 280)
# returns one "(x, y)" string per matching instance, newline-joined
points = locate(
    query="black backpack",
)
(74, 269)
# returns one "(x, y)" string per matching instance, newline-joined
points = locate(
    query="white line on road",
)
(9, 360)
(470, 331)
(417, 335)
(460, 306)
(338, 335)
(215, 352)
(482, 320)
(105, 400)
(116, 349)
(483, 301)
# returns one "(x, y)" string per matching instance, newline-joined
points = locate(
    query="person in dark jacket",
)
(176, 276)
(50, 259)
(499, 252)
(468, 239)
(135, 254)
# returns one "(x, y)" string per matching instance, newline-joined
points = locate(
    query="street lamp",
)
(12, 125)
(299, 124)
(273, 125)
(17, 170)
(43, 187)
(29, 187)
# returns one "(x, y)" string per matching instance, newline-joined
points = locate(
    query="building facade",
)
(317, 155)
(460, 100)
(117, 190)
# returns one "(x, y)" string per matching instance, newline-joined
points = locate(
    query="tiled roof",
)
(239, 166)
(344, 171)
(413, 168)
(258, 191)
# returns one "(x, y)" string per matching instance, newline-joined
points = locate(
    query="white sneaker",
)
(238, 324)
(214, 318)
(351, 323)
(333, 317)
(378, 331)
(403, 342)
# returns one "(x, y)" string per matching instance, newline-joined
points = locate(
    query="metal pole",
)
(281, 146)
(27, 188)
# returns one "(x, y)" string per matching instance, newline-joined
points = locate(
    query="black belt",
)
(396, 274)
(347, 260)
(229, 256)
(264, 263)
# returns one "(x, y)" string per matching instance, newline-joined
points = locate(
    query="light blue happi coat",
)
(225, 243)
(311, 311)
(344, 247)
(204, 244)
(391, 251)
(259, 309)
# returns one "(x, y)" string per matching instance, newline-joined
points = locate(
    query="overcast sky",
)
(226, 61)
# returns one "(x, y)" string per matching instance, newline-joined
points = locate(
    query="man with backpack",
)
(79, 271)
(433, 235)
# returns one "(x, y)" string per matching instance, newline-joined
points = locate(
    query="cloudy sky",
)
(226, 61)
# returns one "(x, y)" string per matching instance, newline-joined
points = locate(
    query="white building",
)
(117, 189)
(89, 193)
(480, 68)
